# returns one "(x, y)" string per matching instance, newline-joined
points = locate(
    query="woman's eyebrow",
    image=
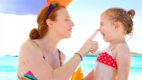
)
(67, 16)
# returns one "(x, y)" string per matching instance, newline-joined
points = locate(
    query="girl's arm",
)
(90, 76)
(123, 61)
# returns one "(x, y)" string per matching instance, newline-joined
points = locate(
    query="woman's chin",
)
(67, 36)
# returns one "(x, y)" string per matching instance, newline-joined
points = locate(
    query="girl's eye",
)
(101, 24)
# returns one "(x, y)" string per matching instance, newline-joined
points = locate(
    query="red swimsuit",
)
(106, 58)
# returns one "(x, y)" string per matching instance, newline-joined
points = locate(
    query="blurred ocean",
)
(18, 17)
(8, 67)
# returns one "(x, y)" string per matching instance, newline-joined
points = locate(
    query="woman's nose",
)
(72, 24)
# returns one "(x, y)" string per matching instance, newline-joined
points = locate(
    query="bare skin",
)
(104, 72)
(114, 34)
(31, 57)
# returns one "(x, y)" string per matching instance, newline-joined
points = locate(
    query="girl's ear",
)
(117, 25)
(49, 22)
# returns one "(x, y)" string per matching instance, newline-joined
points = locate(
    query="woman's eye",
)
(67, 19)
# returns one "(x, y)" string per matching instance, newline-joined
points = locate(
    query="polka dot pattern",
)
(107, 59)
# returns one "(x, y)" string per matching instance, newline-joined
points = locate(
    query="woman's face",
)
(107, 28)
(63, 24)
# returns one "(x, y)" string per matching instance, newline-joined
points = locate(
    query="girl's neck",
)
(117, 41)
(113, 43)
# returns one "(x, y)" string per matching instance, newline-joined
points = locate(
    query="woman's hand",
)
(89, 45)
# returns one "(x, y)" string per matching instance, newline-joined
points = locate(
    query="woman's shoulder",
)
(27, 48)
(26, 45)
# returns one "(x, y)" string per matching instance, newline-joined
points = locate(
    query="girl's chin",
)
(106, 40)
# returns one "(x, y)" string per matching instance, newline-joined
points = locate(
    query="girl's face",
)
(63, 24)
(107, 29)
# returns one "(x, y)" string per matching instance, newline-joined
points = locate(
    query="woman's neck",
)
(49, 43)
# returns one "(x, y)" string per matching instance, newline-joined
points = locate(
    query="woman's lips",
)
(70, 30)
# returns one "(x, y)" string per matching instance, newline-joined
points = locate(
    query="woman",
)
(39, 59)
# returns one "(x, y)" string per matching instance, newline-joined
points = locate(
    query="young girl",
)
(114, 62)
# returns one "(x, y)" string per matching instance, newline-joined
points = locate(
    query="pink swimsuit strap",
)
(107, 59)
(29, 73)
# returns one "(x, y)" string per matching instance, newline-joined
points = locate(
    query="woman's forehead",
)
(63, 13)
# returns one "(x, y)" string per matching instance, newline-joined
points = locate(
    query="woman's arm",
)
(90, 76)
(43, 71)
(123, 61)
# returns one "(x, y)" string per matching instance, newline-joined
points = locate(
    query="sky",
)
(18, 17)
(21, 7)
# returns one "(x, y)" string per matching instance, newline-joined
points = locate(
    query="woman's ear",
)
(49, 22)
